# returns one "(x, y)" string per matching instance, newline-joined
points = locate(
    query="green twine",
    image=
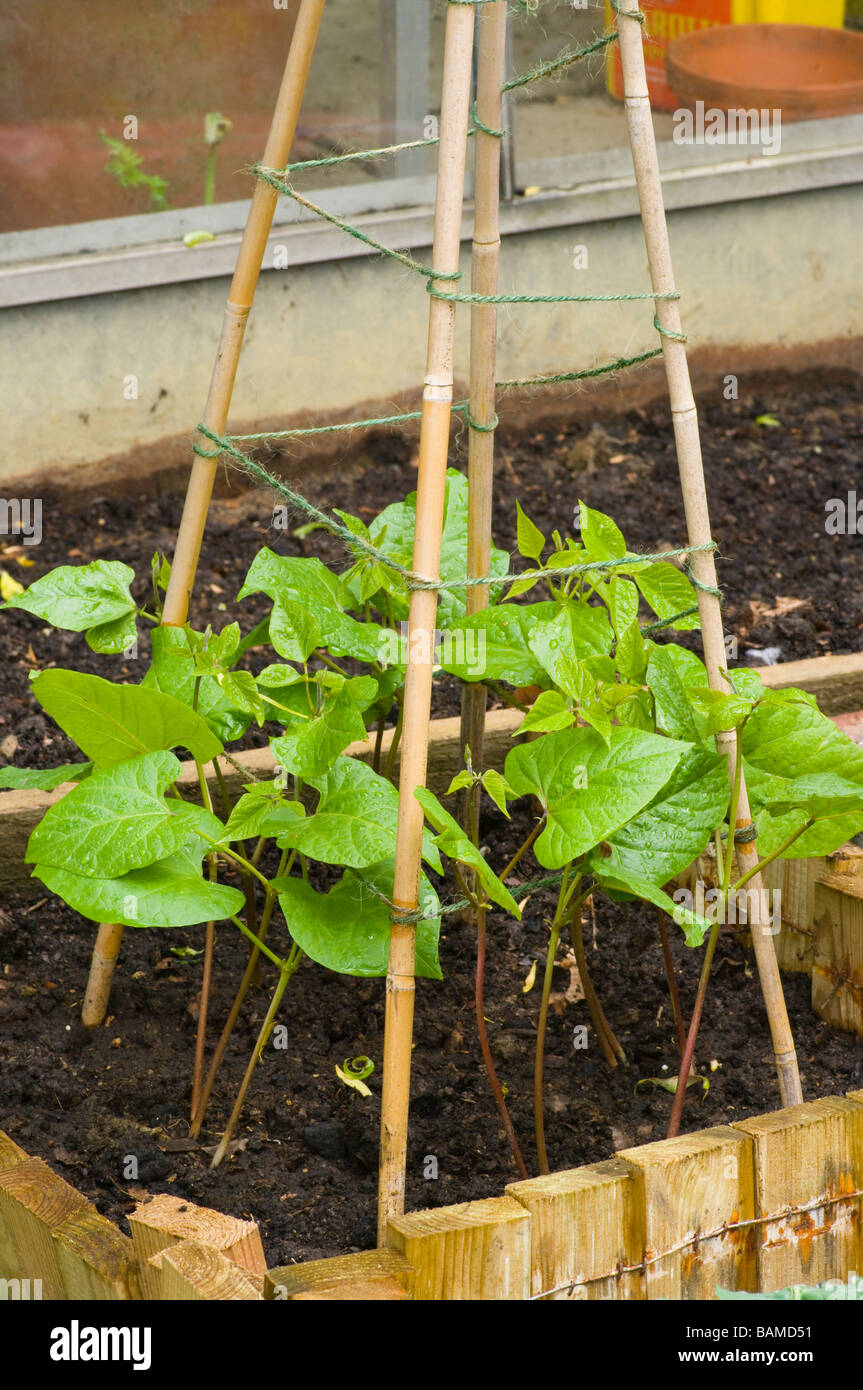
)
(281, 185)
(563, 60)
(380, 153)
(472, 298)
(637, 15)
(412, 580)
(382, 420)
(481, 125)
(483, 429)
(607, 367)
(668, 332)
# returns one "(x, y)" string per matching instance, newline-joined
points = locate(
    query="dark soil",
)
(768, 486)
(306, 1166)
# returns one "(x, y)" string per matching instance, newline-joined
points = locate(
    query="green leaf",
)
(173, 672)
(671, 673)
(399, 521)
(578, 630)
(589, 788)
(673, 829)
(75, 597)
(495, 644)
(348, 929)
(695, 927)
(454, 843)
(354, 823)
(549, 711)
(252, 812)
(796, 739)
(462, 779)
(668, 591)
(498, 789)
(115, 821)
(530, 540)
(309, 749)
(822, 838)
(170, 893)
(601, 537)
(115, 637)
(621, 595)
(111, 723)
(38, 779)
(729, 712)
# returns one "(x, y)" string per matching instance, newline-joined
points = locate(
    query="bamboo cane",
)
(431, 483)
(491, 72)
(240, 297)
(684, 416)
(104, 958)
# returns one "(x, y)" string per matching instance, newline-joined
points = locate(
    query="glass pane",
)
(579, 109)
(148, 72)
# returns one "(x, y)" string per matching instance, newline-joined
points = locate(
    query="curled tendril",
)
(358, 1068)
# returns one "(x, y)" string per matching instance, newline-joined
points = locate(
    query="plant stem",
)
(210, 177)
(209, 944)
(732, 817)
(611, 1048)
(379, 738)
(673, 990)
(391, 758)
(521, 851)
(692, 1036)
(768, 858)
(203, 1009)
(497, 1090)
(539, 1056)
(286, 970)
(249, 976)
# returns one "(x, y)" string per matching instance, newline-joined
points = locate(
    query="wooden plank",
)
(33, 1203)
(323, 1278)
(363, 1291)
(95, 1259)
(474, 1251)
(811, 1153)
(167, 1220)
(794, 881)
(689, 1188)
(10, 1152)
(835, 681)
(189, 1272)
(585, 1222)
(837, 969)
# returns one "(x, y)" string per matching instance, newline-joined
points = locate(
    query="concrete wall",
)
(765, 273)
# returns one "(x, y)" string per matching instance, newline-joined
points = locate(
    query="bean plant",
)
(615, 753)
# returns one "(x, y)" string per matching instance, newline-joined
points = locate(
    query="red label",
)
(667, 20)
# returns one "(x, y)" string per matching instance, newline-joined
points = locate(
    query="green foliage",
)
(125, 166)
(622, 760)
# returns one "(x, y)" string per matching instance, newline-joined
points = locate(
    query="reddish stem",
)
(484, 1044)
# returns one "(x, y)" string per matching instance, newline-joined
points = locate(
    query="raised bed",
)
(754, 1206)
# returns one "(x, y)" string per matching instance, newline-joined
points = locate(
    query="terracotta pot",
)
(804, 71)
